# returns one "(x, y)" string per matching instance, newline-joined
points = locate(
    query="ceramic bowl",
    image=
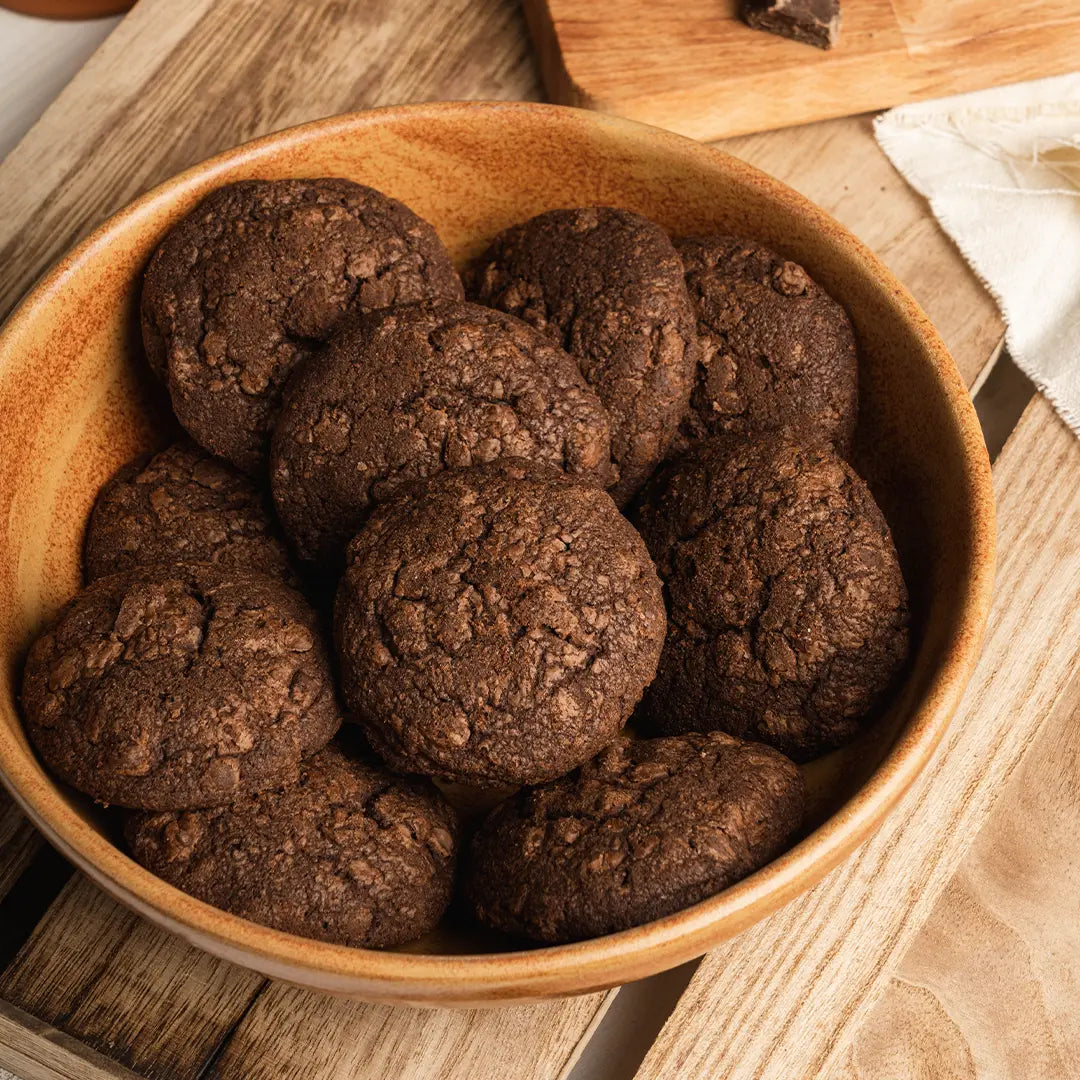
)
(76, 401)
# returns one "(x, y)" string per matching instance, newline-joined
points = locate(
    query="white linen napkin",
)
(1001, 170)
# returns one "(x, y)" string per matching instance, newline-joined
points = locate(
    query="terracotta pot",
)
(76, 401)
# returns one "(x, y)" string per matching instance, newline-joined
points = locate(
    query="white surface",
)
(38, 58)
(1001, 170)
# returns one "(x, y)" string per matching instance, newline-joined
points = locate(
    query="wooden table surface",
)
(948, 946)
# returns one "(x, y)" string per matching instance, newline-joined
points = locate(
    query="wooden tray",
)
(928, 951)
(693, 66)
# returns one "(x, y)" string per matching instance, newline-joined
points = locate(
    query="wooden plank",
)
(126, 988)
(930, 25)
(19, 843)
(694, 67)
(121, 986)
(290, 1032)
(785, 998)
(990, 986)
(70, 948)
(36, 1051)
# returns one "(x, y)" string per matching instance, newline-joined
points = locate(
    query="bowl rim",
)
(598, 962)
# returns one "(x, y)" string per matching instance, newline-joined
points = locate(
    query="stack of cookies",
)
(485, 533)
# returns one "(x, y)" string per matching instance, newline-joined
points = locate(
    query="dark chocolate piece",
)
(813, 22)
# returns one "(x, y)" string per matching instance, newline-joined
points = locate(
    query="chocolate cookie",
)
(402, 393)
(182, 506)
(348, 853)
(172, 687)
(776, 350)
(496, 625)
(255, 276)
(608, 286)
(646, 828)
(787, 608)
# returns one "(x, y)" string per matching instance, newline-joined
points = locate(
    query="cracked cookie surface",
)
(400, 394)
(644, 829)
(787, 608)
(496, 625)
(776, 350)
(347, 853)
(182, 505)
(180, 686)
(255, 277)
(608, 286)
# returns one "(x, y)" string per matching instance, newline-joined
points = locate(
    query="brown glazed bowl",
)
(76, 401)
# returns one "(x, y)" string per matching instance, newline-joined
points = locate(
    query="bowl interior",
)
(76, 400)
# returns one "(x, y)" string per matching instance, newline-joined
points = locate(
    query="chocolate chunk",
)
(813, 22)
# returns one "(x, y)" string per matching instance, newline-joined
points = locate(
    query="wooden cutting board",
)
(693, 66)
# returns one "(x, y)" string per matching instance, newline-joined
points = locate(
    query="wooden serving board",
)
(693, 66)
(947, 947)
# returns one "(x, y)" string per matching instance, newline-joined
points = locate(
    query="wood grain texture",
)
(694, 67)
(125, 988)
(785, 998)
(288, 1033)
(19, 843)
(34, 1050)
(929, 24)
(991, 984)
(99, 974)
